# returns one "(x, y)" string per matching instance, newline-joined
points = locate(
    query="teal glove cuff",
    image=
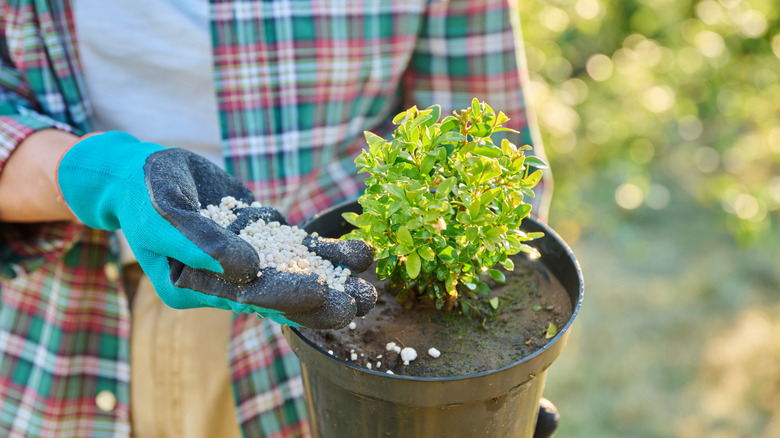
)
(103, 181)
(102, 174)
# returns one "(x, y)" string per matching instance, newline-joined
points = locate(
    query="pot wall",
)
(348, 401)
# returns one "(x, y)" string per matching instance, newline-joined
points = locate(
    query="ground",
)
(679, 334)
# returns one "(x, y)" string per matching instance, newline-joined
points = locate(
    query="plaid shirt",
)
(298, 81)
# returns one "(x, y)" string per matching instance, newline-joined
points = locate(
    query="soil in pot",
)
(530, 300)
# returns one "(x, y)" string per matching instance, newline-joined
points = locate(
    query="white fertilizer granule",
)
(408, 354)
(278, 246)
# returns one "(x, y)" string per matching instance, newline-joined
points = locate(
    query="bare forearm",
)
(28, 185)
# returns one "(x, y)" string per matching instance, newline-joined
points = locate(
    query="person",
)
(119, 121)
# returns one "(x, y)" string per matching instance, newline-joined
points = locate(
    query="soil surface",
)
(530, 300)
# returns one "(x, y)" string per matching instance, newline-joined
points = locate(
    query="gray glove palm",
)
(275, 291)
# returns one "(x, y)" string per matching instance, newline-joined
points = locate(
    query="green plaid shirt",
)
(297, 82)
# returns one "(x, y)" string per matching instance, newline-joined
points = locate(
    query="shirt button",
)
(112, 271)
(105, 401)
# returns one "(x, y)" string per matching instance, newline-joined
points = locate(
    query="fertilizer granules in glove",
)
(278, 246)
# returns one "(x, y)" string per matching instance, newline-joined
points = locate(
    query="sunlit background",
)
(661, 120)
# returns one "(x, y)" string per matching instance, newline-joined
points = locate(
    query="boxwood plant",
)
(444, 203)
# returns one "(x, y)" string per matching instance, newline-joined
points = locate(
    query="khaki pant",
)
(180, 383)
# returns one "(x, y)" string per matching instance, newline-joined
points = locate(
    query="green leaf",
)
(393, 207)
(415, 196)
(526, 191)
(491, 171)
(415, 223)
(483, 288)
(399, 118)
(450, 124)
(470, 284)
(427, 163)
(413, 264)
(489, 111)
(435, 112)
(419, 120)
(467, 148)
(517, 164)
(395, 191)
(475, 110)
(385, 267)
(450, 137)
(404, 237)
(497, 275)
(551, 331)
(448, 254)
(449, 148)
(508, 264)
(488, 151)
(400, 250)
(350, 217)
(522, 210)
(489, 195)
(450, 282)
(493, 303)
(403, 294)
(495, 231)
(536, 235)
(445, 187)
(439, 152)
(534, 178)
(373, 140)
(536, 162)
(426, 253)
(468, 251)
(530, 250)
(366, 219)
(515, 245)
(441, 271)
(481, 130)
(474, 208)
(501, 118)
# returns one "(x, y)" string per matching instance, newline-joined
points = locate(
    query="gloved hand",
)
(339, 308)
(547, 419)
(112, 180)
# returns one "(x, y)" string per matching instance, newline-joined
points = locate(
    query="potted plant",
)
(463, 271)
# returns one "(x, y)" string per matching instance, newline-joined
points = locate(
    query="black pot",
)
(345, 400)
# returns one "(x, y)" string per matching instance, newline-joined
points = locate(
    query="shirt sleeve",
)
(473, 48)
(25, 247)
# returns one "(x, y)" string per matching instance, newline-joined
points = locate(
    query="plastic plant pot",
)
(346, 401)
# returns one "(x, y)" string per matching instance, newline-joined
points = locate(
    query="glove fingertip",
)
(363, 292)
(356, 255)
(336, 313)
(285, 292)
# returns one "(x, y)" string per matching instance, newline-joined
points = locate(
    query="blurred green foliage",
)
(646, 103)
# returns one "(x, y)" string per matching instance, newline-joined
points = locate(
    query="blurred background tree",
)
(661, 120)
(659, 99)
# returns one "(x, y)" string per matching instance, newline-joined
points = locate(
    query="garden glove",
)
(112, 180)
(340, 307)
